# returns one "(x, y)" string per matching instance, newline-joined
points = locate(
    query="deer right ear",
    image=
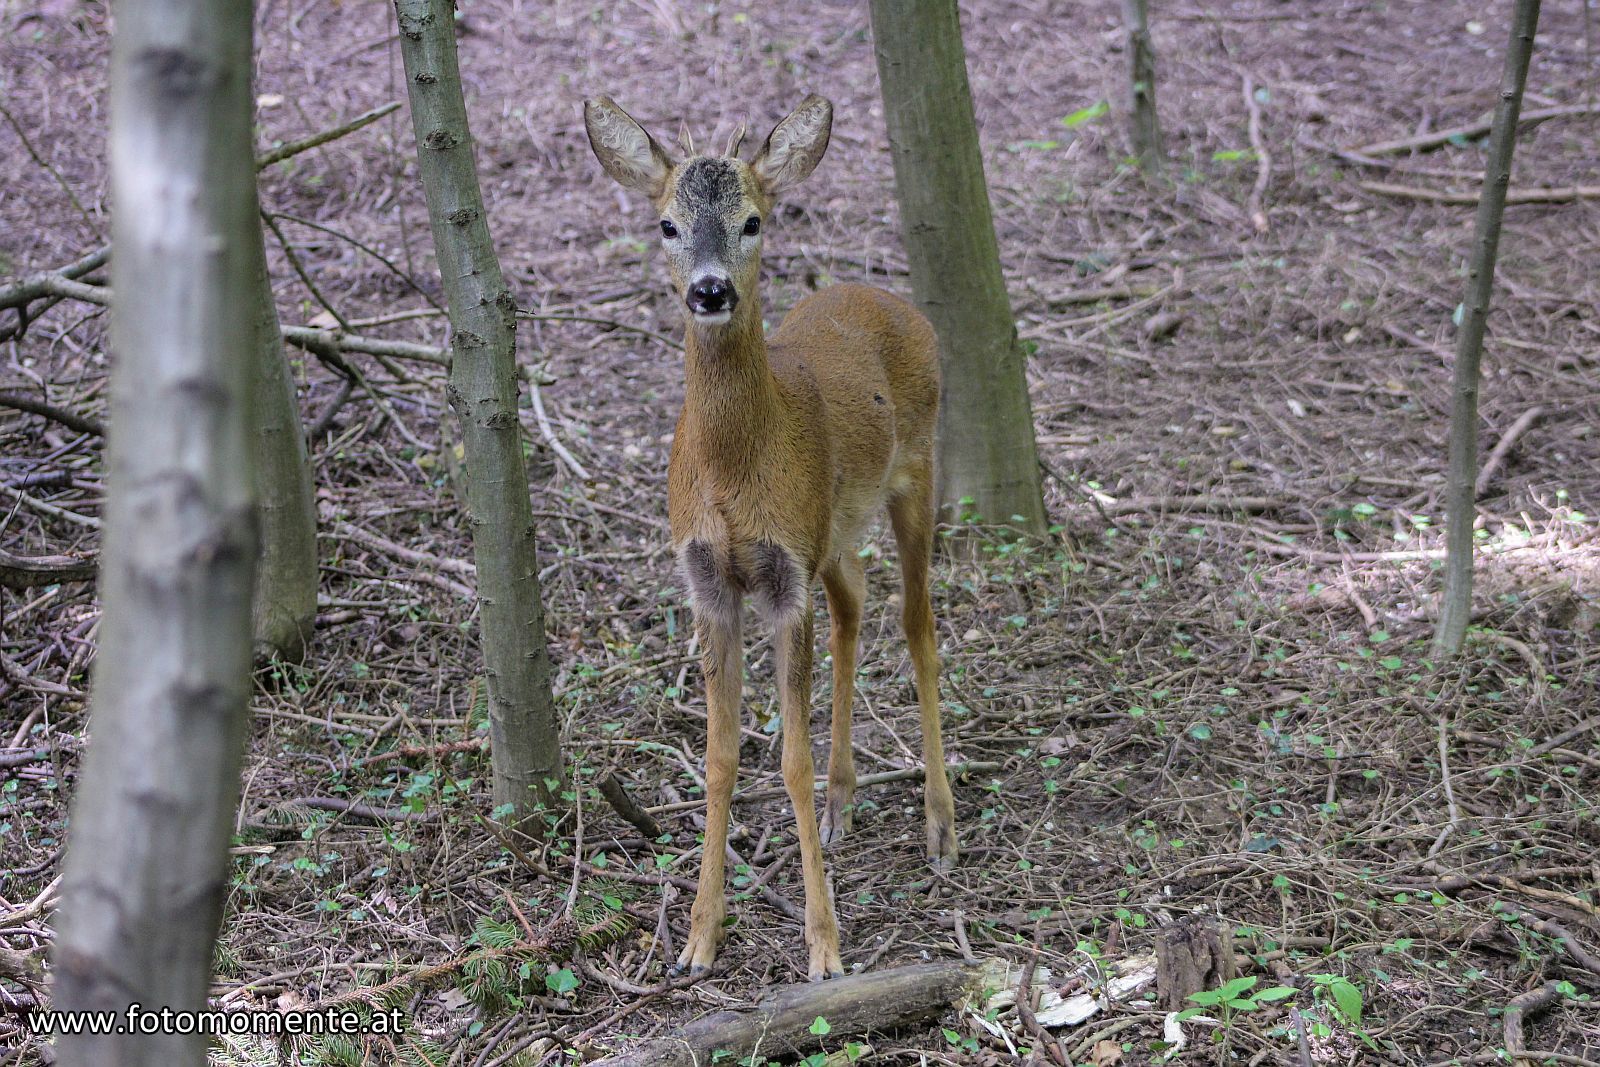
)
(629, 154)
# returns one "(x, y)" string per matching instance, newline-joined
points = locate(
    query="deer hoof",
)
(942, 851)
(836, 819)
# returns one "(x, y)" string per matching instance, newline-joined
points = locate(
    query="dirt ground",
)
(1210, 692)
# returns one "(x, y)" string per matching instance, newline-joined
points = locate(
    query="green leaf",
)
(1277, 992)
(1348, 999)
(821, 1027)
(1087, 114)
(1238, 985)
(1190, 1013)
(1200, 732)
(563, 981)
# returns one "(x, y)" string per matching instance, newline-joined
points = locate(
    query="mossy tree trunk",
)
(286, 573)
(987, 461)
(1460, 494)
(524, 732)
(146, 867)
(1144, 126)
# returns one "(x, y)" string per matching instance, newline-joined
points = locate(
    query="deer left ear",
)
(794, 147)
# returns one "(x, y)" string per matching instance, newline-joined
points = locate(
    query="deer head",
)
(712, 208)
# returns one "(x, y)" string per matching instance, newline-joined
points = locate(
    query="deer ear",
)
(795, 146)
(624, 149)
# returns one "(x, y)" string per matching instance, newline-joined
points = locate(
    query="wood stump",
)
(1192, 955)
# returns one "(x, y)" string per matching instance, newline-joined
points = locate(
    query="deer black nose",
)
(709, 295)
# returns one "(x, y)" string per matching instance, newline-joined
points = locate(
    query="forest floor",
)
(1210, 691)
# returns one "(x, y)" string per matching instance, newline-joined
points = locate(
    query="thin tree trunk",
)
(988, 464)
(1144, 126)
(523, 731)
(286, 573)
(1460, 510)
(147, 855)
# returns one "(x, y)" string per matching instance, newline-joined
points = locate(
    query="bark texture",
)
(146, 860)
(523, 731)
(286, 572)
(1192, 955)
(986, 445)
(1460, 509)
(1144, 126)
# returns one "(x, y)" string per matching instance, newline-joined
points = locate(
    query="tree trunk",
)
(988, 465)
(523, 731)
(1460, 512)
(286, 573)
(146, 862)
(1144, 126)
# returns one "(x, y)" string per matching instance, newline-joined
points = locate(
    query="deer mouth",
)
(719, 317)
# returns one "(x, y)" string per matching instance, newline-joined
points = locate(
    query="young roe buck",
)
(784, 451)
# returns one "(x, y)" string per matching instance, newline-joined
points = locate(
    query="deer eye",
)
(668, 229)
(752, 226)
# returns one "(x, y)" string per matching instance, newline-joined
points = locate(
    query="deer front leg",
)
(794, 641)
(722, 661)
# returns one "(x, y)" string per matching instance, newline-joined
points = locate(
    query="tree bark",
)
(523, 730)
(1193, 954)
(988, 465)
(286, 573)
(1460, 510)
(146, 861)
(1144, 125)
(780, 1024)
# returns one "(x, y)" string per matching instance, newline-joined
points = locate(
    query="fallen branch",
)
(1100, 295)
(1558, 933)
(77, 423)
(34, 286)
(1503, 446)
(1529, 1003)
(616, 795)
(352, 809)
(781, 1022)
(326, 343)
(1438, 138)
(1557, 195)
(1180, 504)
(28, 572)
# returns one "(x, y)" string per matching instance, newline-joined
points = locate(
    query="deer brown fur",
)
(786, 449)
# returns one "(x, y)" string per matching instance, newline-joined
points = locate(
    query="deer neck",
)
(730, 397)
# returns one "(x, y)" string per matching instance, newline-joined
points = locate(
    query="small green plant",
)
(1231, 999)
(1340, 995)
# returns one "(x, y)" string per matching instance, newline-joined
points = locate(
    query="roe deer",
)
(783, 453)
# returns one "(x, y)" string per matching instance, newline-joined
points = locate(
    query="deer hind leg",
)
(911, 514)
(722, 661)
(845, 582)
(793, 641)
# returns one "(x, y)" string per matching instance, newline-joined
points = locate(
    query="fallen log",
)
(781, 1023)
(27, 572)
